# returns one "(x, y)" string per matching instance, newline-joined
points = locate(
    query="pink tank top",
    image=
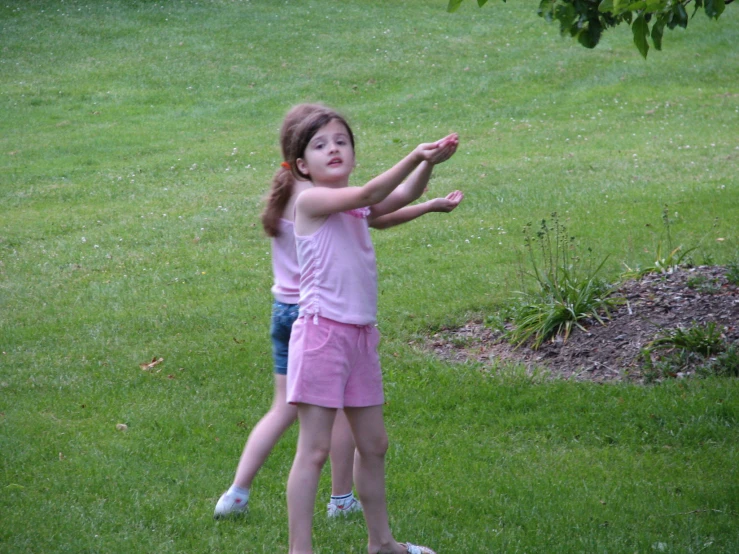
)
(285, 264)
(338, 273)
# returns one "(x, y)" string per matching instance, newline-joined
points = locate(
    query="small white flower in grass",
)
(84, 239)
(96, 246)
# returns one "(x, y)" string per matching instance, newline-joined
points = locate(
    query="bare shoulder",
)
(307, 196)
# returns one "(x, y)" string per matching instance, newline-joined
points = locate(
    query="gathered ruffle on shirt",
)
(360, 213)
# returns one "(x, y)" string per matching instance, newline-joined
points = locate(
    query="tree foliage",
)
(585, 20)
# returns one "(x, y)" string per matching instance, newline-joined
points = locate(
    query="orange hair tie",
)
(285, 165)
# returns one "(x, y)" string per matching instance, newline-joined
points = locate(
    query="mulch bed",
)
(610, 352)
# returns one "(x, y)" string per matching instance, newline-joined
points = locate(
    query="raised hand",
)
(448, 203)
(447, 148)
(439, 151)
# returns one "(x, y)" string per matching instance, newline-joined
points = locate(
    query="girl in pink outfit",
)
(278, 223)
(333, 361)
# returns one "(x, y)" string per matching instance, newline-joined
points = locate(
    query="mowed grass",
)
(137, 141)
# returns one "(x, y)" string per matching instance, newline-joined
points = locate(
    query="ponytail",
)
(283, 183)
(279, 195)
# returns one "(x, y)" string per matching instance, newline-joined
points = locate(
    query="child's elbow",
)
(371, 197)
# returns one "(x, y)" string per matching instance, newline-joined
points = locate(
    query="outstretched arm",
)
(412, 189)
(321, 201)
(409, 213)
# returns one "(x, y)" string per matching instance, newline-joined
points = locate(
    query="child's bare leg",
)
(342, 456)
(368, 426)
(314, 443)
(265, 435)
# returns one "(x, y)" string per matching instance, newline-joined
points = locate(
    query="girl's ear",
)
(302, 166)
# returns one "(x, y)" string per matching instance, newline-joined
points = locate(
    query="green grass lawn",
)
(137, 141)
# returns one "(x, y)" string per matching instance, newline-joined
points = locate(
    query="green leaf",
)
(655, 5)
(636, 6)
(682, 16)
(606, 6)
(698, 5)
(640, 28)
(658, 30)
(714, 8)
(590, 35)
(546, 10)
(566, 16)
(453, 5)
(481, 3)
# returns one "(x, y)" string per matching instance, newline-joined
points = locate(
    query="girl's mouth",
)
(335, 161)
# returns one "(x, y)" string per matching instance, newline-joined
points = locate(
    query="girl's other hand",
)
(448, 203)
(439, 151)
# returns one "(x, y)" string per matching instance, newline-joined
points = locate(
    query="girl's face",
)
(329, 157)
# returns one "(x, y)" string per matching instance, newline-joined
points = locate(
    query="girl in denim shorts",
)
(277, 220)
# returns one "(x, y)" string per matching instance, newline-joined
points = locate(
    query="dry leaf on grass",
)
(154, 361)
(121, 426)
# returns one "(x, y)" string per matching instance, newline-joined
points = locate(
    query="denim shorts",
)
(283, 317)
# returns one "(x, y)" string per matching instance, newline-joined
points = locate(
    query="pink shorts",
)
(334, 365)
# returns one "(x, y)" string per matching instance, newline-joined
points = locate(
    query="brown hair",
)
(304, 132)
(284, 179)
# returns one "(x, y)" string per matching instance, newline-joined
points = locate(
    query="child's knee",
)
(376, 446)
(316, 455)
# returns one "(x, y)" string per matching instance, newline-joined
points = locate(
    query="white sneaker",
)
(334, 510)
(230, 504)
(413, 549)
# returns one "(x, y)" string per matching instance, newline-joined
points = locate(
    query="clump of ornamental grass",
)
(667, 257)
(567, 289)
(700, 349)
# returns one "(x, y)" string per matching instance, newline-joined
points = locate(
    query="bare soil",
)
(610, 352)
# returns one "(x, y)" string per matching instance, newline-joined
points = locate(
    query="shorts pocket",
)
(316, 338)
